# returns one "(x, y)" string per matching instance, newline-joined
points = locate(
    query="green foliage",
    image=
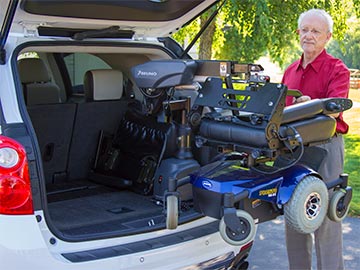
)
(186, 34)
(352, 167)
(357, 7)
(348, 49)
(243, 22)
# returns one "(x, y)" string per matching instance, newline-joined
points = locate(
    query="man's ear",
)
(328, 36)
(298, 31)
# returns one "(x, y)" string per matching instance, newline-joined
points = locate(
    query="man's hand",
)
(302, 99)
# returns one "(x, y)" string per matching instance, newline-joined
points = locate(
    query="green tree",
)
(349, 48)
(245, 25)
(247, 29)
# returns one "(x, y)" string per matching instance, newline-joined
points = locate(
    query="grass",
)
(352, 167)
(352, 151)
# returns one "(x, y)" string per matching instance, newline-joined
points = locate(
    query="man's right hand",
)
(302, 99)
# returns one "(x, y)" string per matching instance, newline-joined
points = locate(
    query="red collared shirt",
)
(325, 77)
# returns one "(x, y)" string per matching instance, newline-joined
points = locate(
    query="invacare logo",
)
(206, 184)
(147, 73)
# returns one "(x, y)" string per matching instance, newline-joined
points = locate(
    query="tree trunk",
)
(206, 39)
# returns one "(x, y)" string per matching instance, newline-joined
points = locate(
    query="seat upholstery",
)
(100, 113)
(51, 120)
(36, 81)
(103, 84)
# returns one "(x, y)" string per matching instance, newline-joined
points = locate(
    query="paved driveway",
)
(269, 252)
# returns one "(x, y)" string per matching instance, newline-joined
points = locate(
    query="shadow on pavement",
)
(269, 251)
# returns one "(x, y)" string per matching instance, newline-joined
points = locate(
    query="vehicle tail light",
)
(15, 189)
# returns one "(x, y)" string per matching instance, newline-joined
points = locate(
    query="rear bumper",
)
(26, 245)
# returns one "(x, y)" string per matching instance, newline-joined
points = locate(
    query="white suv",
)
(86, 154)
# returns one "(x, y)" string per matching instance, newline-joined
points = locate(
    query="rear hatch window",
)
(139, 10)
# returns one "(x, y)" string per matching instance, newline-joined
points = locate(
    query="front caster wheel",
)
(337, 208)
(243, 234)
(172, 212)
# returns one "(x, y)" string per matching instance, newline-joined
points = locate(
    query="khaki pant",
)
(328, 238)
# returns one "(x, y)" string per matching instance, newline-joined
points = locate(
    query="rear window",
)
(139, 10)
(2, 12)
(77, 64)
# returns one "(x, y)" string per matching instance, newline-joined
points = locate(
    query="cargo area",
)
(103, 160)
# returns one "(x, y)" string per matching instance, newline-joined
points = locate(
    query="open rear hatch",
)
(144, 18)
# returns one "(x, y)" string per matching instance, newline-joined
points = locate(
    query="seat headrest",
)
(103, 84)
(33, 70)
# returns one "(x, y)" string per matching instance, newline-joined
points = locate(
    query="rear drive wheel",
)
(243, 235)
(337, 210)
(307, 208)
(172, 212)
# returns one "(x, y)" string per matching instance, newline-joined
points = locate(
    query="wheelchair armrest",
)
(312, 130)
(313, 107)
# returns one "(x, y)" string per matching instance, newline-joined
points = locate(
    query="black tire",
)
(246, 234)
(172, 212)
(308, 205)
(334, 213)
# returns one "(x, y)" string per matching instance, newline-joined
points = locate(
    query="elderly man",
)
(317, 74)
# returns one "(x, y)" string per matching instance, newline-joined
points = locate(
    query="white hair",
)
(320, 13)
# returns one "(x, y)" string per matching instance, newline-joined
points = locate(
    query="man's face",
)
(314, 34)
